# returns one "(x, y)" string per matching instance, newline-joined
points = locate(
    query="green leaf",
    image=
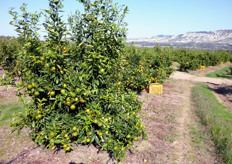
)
(33, 124)
(97, 82)
(57, 141)
(97, 139)
(47, 11)
(41, 89)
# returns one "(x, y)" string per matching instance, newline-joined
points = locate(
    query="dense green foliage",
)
(194, 59)
(8, 52)
(217, 119)
(143, 66)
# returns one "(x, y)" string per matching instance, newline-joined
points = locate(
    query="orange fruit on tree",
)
(52, 93)
(72, 107)
(53, 69)
(100, 134)
(87, 110)
(62, 72)
(46, 65)
(95, 121)
(39, 116)
(74, 128)
(82, 100)
(135, 138)
(75, 134)
(102, 70)
(99, 124)
(68, 148)
(29, 86)
(65, 85)
(88, 140)
(20, 83)
(52, 134)
(36, 93)
(62, 91)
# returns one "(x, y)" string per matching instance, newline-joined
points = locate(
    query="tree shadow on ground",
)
(227, 76)
(223, 90)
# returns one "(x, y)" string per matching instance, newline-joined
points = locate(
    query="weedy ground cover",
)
(222, 73)
(8, 111)
(216, 117)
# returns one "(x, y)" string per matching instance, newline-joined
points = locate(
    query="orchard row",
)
(139, 67)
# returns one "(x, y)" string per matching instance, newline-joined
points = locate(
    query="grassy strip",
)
(216, 118)
(222, 73)
(7, 112)
(195, 134)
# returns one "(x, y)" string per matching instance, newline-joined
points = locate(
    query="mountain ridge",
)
(220, 39)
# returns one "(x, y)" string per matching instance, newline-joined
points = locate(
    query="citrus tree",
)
(194, 59)
(142, 66)
(74, 96)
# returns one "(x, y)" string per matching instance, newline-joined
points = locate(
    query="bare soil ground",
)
(222, 88)
(185, 76)
(223, 94)
(7, 94)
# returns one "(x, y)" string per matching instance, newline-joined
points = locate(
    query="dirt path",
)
(186, 150)
(185, 76)
(183, 141)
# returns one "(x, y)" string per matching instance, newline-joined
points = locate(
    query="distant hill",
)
(5, 37)
(213, 40)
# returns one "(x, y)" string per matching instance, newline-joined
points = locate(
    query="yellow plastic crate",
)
(156, 88)
(202, 68)
(221, 63)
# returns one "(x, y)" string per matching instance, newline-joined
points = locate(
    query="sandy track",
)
(185, 76)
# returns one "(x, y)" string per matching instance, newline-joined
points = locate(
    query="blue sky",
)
(147, 18)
